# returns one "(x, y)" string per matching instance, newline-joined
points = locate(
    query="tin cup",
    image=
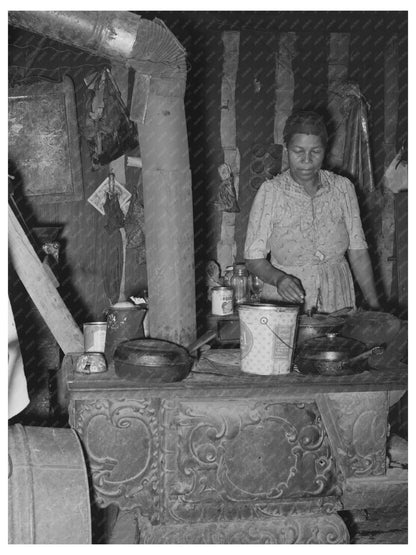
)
(267, 337)
(94, 336)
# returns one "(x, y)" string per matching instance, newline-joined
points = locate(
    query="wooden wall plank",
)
(391, 112)
(391, 99)
(285, 85)
(226, 247)
(338, 62)
(255, 106)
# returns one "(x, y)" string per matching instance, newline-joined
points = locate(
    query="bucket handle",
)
(265, 322)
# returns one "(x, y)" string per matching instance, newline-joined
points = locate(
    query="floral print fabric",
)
(307, 237)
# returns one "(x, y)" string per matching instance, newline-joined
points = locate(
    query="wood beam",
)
(42, 290)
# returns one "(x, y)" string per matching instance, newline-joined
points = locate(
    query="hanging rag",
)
(108, 129)
(357, 155)
(112, 266)
(113, 214)
(134, 226)
(114, 217)
(226, 200)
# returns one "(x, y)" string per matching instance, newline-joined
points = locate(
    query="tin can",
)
(222, 301)
(267, 337)
(94, 336)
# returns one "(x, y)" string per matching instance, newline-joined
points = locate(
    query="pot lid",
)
(151, 352)
(329, 345)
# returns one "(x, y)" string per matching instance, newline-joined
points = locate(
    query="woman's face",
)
(306, 154)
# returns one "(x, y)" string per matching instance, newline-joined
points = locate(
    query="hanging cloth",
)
(113, 213)
(134, 226)
(112, 260)
(357, 156)
(112, 266)
(114, 217)
(226, 200)
(108, 129)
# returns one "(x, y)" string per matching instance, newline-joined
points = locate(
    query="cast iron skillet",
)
(152, 361)
(332, 355)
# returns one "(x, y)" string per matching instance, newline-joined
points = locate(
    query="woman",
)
(307, 219)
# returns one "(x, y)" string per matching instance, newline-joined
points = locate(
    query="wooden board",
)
(401, 232)
(42, 290)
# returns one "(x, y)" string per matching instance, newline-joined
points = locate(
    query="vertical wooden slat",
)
(339, 48)
(391, 99)
(401, 232)
(391, 104)
(285, 84)
(226, 247)
(255, 103)
(118, 168)
(121, 74)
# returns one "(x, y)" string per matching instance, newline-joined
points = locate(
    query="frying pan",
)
(332, 355)
(152, 361)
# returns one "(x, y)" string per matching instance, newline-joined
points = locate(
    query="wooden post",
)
(391, 103)
(42, 290)
(226, 247)
(121, 74)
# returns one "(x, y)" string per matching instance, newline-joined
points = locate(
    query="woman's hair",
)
(306, 122)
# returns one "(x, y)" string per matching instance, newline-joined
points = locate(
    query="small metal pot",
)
(310, 327)
(332, 355)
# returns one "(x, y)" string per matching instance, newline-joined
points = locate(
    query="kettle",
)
(124, 322)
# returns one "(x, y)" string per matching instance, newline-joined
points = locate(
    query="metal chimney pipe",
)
(160, 60)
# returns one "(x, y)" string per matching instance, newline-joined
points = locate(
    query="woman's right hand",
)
(290, 288)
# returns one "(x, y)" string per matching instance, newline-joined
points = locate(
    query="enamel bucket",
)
(267, 337)
(49, 495)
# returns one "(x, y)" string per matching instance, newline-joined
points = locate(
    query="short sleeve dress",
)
(308, 237)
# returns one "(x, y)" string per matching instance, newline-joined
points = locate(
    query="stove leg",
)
(125, 529)
(295, 529)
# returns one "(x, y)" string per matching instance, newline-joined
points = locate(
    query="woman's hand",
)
(290, 288)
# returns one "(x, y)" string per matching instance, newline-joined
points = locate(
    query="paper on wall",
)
(98, 198)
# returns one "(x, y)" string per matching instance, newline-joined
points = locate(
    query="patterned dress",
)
(308, 237)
